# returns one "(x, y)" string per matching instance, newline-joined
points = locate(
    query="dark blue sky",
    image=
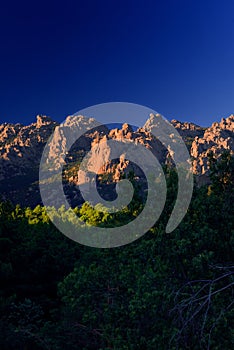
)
(175, 56)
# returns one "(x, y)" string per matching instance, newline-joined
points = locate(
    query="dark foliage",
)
(164, 291)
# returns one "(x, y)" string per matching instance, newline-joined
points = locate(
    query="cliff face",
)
(21, 148)
(216, 139)
(20, 152)
(188, 131)
(100, 157)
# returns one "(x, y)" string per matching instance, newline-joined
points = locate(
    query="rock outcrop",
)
(21, 148)
(216, 139)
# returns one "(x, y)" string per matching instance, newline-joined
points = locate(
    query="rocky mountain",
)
(20, 152)
(21, 146)
(216, 139)
(188, 131)
(21, 149)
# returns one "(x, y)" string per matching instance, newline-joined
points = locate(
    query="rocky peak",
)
(188, 131)
(127, 128)
(184, 125)
(8, 131)
(151, 121)
(225, 124)
(21, 146)
(218, 137)
(125, 132)
(43, 120)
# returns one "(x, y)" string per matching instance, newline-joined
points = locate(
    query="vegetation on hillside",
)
(164, 291)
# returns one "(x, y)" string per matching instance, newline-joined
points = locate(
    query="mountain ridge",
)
(21, 147)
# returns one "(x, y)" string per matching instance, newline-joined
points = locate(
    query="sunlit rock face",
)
(21, 149)
(216, 139)
(21, 146)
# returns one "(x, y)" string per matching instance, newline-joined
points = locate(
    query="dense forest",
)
(163, 291)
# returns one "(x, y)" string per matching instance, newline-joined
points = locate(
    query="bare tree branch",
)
(196, 300)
